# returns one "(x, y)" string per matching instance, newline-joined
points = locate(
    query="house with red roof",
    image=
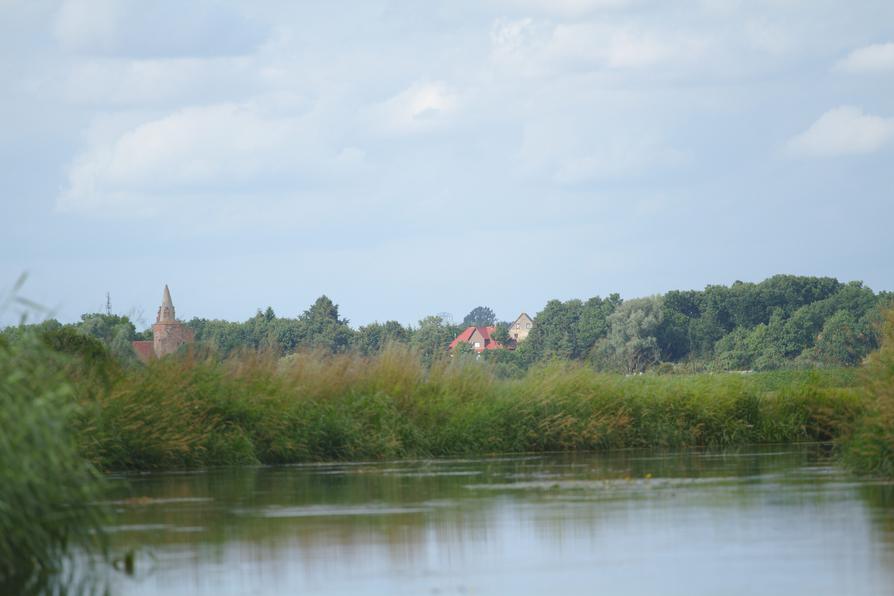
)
(478, 338)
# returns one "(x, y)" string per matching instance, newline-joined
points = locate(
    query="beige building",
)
(168, 334)
(521, 327)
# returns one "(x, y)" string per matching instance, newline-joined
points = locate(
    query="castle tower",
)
(168, 334)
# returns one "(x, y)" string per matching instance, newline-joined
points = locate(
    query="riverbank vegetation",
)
(784, 322)
(196, 409)
(48, 490)
(870, 448)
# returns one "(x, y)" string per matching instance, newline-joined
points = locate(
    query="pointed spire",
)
(166, 310)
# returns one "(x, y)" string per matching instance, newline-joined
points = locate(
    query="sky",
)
(412, 158)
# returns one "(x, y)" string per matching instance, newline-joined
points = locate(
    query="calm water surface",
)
(754, 521)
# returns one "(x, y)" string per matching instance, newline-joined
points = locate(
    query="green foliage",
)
(48, 491)
(313, 406)
(372, 339)
(432, 338)
(785, 321)
(501, 333)
(321, 327)
(569, 329)
(843, 341)
(772, 324)
(480, 316)
(115, 331)
(631, 345)
(870, 448)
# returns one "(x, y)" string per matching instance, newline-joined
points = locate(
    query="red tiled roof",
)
(466, 337)
(145, 350)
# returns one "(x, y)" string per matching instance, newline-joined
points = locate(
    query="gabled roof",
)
(525, 315)
(468, 332)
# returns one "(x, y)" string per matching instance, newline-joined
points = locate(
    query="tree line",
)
(785, 321)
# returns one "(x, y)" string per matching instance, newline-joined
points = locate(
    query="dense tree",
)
(501, 333)
(554, 334)
(370, 339)
(592, 325)
(114, 331)
(630, 345)
(843, 341)
(321, 327)
(432, 338)
(480, 316)
(569, 329)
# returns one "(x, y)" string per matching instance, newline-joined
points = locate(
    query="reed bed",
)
(48, 490)
(255, 408)
(870, 447)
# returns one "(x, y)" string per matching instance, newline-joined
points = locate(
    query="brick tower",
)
(168, 333)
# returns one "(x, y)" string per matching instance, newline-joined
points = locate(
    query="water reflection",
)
(633, 522)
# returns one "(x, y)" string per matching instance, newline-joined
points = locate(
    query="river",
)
(768, 520)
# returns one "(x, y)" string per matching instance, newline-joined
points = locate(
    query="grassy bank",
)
(182, 412)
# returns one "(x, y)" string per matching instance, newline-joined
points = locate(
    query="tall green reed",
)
(870, 449)
(197, 410)
(48, 491)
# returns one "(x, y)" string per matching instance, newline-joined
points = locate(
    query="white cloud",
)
(845, 130)
(199, 153)
(422, 107)
(875, 58)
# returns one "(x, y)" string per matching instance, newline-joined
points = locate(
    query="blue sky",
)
(410, 158)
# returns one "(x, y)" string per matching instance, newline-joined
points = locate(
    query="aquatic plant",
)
(196, 410)
(48, 491)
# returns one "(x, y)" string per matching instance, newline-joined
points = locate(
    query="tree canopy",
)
(480, 316)
(783, 321)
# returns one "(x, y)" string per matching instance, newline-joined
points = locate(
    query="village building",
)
(521, 327)
(478, 338)
(168, 334)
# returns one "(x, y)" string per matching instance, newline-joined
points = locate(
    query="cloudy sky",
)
(409, 158)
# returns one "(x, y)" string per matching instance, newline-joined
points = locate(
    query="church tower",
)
(168, 334)
(166, 310)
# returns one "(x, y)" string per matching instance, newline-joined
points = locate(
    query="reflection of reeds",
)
(47, 489)
(191, 410)
(401, 505)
